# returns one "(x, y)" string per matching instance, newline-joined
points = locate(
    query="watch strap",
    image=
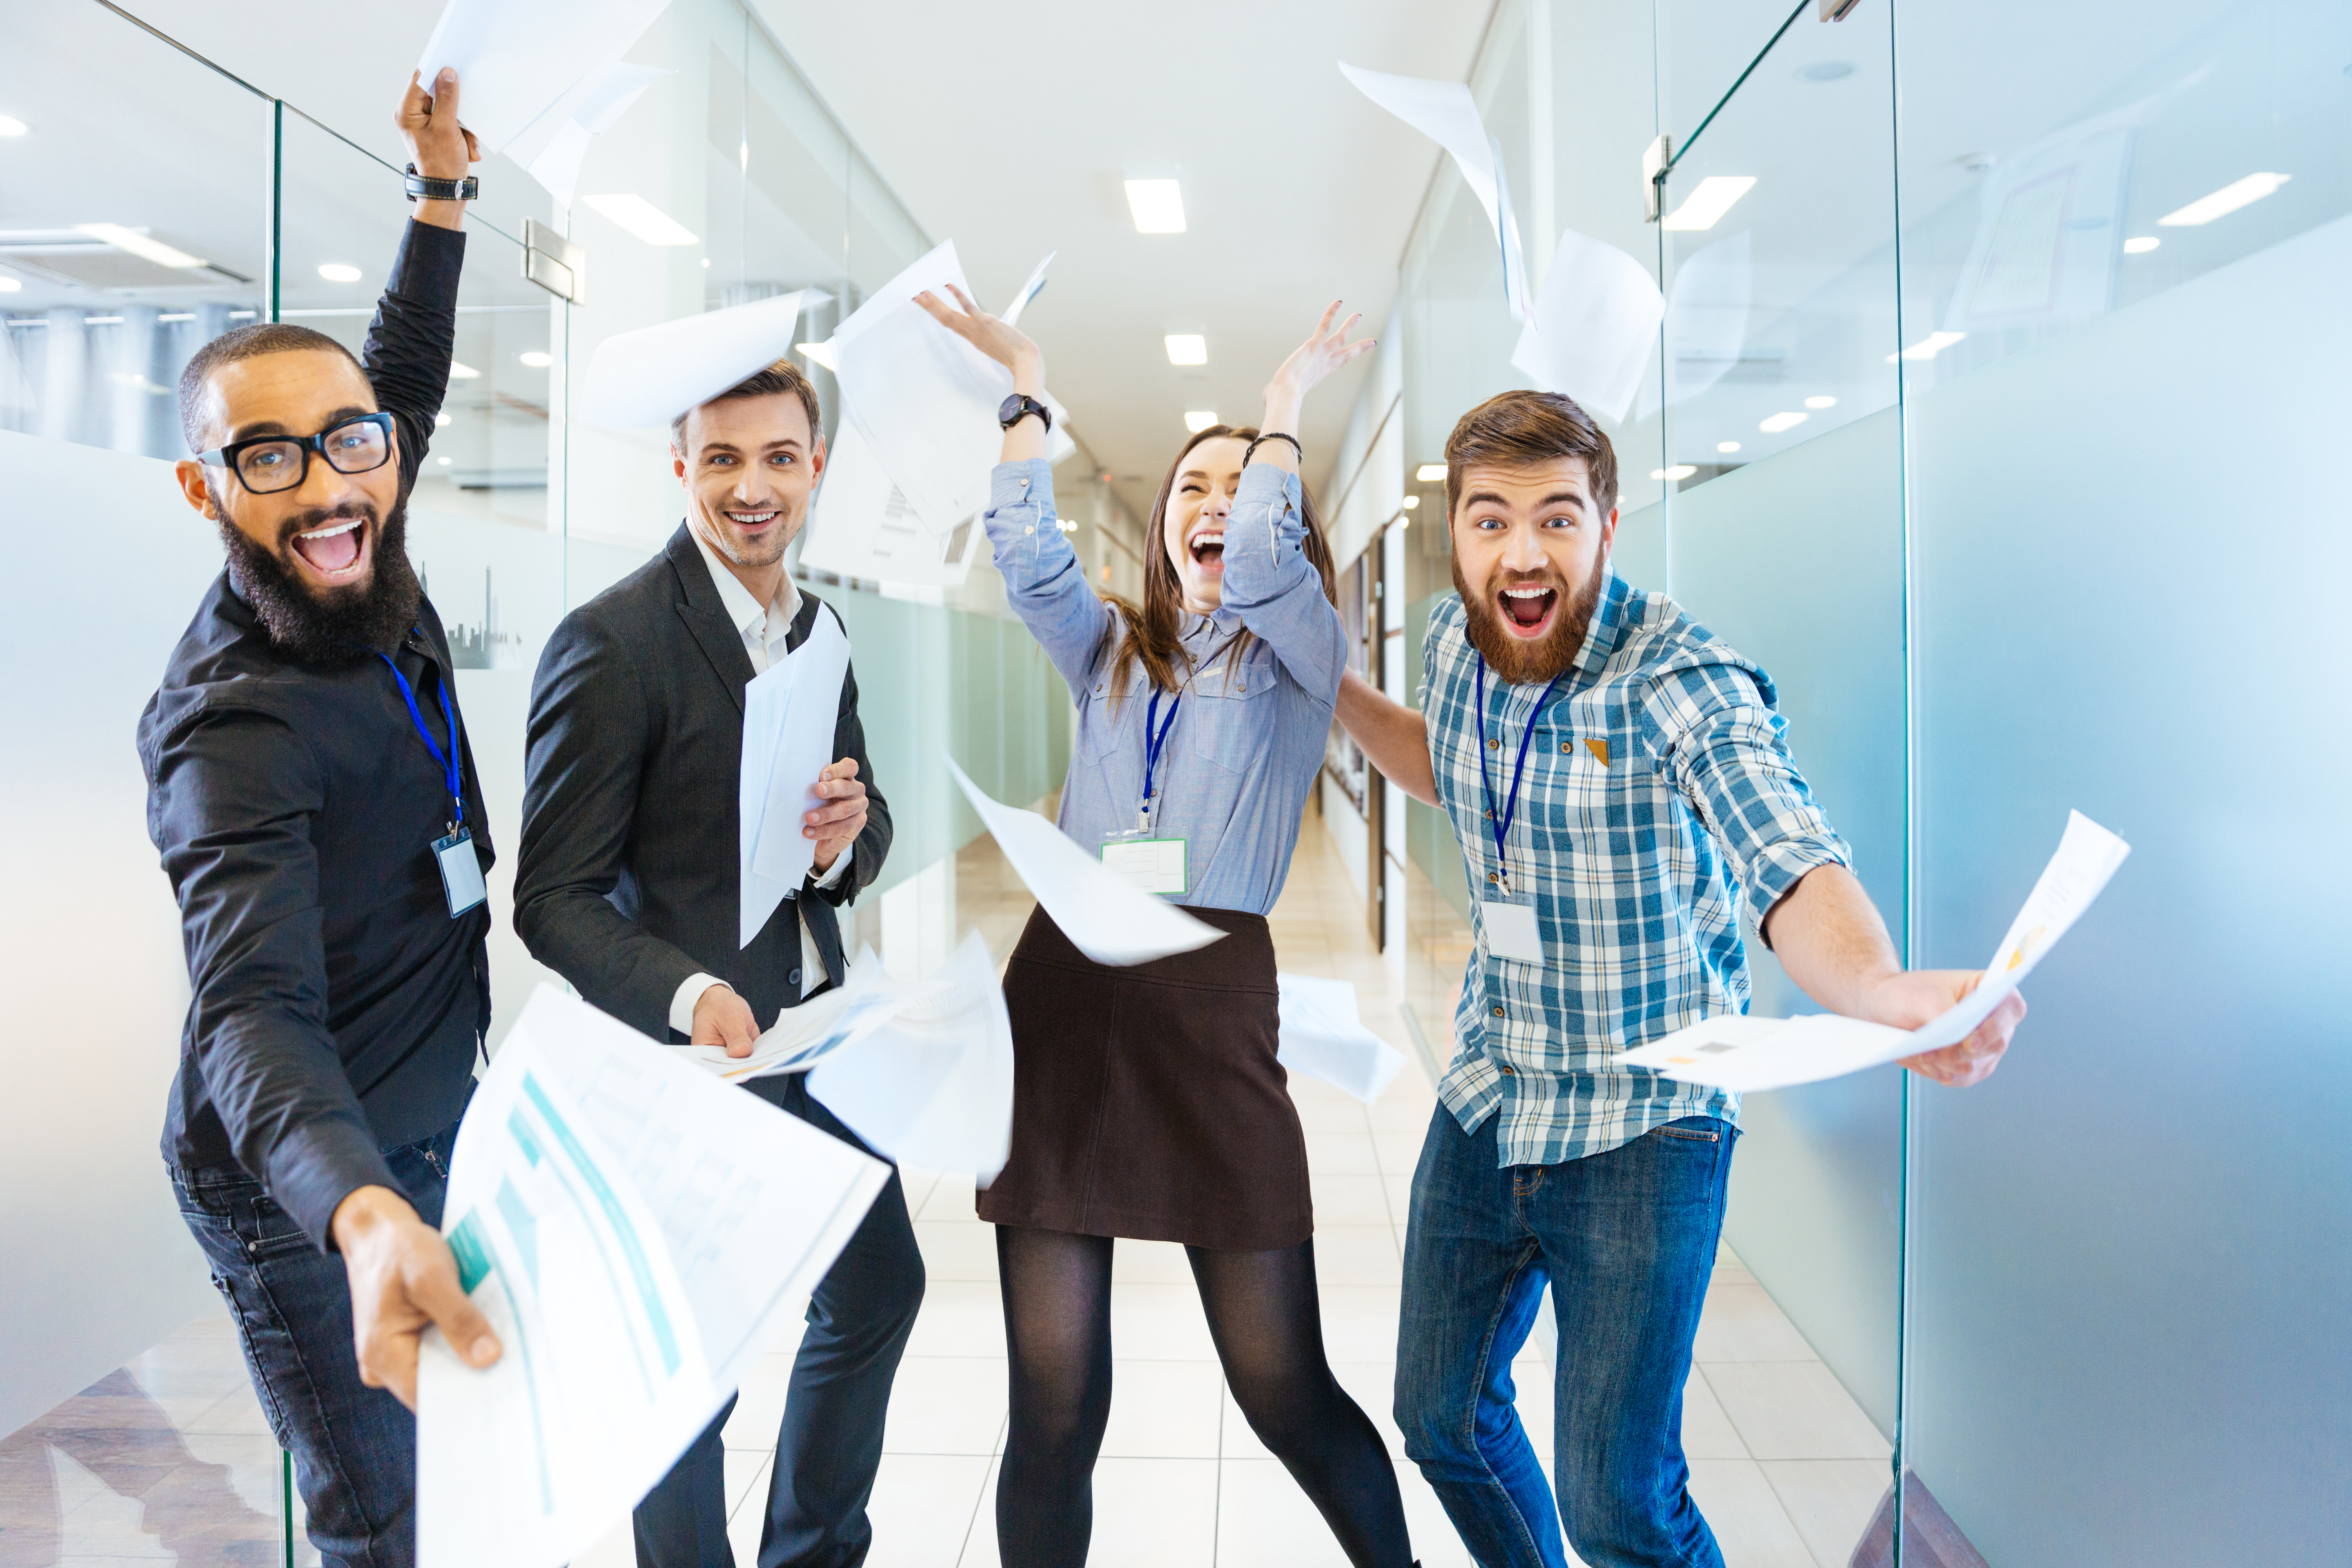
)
(426, 188)
(1019, 406)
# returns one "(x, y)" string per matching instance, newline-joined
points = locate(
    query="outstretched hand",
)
(1310, 365)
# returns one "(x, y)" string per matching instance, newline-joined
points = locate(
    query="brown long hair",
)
(1153, 635)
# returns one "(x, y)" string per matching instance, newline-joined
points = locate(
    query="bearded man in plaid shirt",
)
(1619, 780)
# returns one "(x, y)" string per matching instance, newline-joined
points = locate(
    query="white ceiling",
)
(1012, 139)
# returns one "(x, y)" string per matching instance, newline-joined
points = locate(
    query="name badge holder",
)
(1154, 865)
(461, 863)
(1510, 925)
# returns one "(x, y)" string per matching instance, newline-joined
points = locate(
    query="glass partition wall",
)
(1997, 346)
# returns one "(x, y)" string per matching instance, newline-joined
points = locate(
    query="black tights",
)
(1268, 1325)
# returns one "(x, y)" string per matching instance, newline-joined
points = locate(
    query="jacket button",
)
(794, 977)
(1498, 1012)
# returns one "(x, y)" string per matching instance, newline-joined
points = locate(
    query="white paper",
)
(1747, 1053)
(928, 1081)
(1595, 323)
(1103, 915)
(516, 59)
(924, 399)
(791, 712)
(1446, 113)
(552, 147)
(862, 526)
(1323, 1036)
(650, 376)
(806, 1032)
(634, 1232)
(1028, 291)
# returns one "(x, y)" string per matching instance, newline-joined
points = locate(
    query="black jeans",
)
(355, 1446)
(830, 1443)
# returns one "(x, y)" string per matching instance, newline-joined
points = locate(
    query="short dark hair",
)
(781, 377)
(237, 344)
(1521, 429)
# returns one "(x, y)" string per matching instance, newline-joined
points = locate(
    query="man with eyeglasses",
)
(314, 799)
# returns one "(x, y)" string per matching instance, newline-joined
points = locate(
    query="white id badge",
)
(1154, 865)
(461, 872)
(1511, 931)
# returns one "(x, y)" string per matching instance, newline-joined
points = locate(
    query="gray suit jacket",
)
(626, 880)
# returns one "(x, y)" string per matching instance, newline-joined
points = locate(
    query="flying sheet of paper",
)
(517, 59)
(924, 399)
(651, 376)
(928, 1081)
(1323, 1036)
(1028, 291)
(635, 1232)
(1595, 323)
(1747, 1053)
(1446, 113)
(789, 714)
(862, 526)
(803, 1034)
(1706, 316)
(1105, 916)
(551, 148)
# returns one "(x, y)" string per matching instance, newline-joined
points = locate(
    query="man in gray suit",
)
(627, 887)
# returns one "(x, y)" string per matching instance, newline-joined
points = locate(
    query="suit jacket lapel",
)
(700, 609)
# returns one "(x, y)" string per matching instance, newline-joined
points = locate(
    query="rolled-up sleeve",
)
(1725, 746)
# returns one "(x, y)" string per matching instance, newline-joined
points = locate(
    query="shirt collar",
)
(1608, 628)
(750, 617)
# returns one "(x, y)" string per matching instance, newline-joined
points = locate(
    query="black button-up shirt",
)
(337, 1006)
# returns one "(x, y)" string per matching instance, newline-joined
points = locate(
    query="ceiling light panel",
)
(641, 218)
(2141, 243)
(11, 126)
(139, 244)
(1787, 419)
(1708, 201)
(1157, 206)
(1199, 419)
(2225, 201)
(339, 272)
(1187, 348)
(1430, 473)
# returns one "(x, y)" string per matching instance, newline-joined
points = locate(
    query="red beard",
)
(1517, 660)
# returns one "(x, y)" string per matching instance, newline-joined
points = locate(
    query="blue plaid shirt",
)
(1659, 803)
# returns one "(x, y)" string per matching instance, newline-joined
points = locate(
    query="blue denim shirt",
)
(1249, 732)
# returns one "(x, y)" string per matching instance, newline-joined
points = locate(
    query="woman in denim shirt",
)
(1147, 1100)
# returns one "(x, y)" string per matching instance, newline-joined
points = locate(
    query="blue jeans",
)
(355, 1446)
(1627, 1240)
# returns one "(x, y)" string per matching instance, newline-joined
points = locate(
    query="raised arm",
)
(414, 335)
(1392, 735)
(1044, 579)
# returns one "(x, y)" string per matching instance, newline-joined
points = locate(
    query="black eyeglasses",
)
(269, 463)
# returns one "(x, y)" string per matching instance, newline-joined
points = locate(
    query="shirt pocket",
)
(1600, 793)
(1232, 718)
(1098, 717)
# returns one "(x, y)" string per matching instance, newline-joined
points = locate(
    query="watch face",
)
(1009, 410)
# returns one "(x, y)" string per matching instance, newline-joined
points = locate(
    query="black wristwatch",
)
(1019, 406)
(432, 190)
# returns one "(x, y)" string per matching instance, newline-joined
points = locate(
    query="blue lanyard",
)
(1153, 743)
(1500, 821)
(449, 761)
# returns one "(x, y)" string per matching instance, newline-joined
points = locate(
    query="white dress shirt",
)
(763, 628)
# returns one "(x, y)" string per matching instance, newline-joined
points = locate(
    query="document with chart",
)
(1744, 1054)
(635, 1231)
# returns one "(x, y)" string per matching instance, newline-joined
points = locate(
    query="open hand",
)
(1914, 997)
(1310, 365)
(1003, 343)
(427, 119)
(403, 1277)
(837, 824)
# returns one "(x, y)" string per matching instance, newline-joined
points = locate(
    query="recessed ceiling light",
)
(2141, 243)
(339, 272)
(1157, 206)
(1708, 201)
(1787, 419)
(1430, 473)
(1821, 402)
(641, 218)
(11, 126)
(1199, 419)
(2225, 201)
(441, 418)
(706, 261)
(444, 462)
(1733, 445)
(1825, 71)
(1679, 471)
(1928, 347)
(1411, 502)
(459, 372)
(1187, 348)
(138, 244)
(10, 285)
(535, 359)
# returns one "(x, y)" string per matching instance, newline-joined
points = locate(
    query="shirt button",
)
(1493, 879)
(1505, 1067)
(794, 977)
(1033, 527)
(1494, 744)
(1498, 1012)
(1242, 687)
(1563, 745)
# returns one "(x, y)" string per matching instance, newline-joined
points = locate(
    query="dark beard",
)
(348, 623)
(1514, 660)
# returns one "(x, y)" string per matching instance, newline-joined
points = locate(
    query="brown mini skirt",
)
(1147, 1101)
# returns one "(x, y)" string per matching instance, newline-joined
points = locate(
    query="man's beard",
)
(766, 551)
(344, 625)
(1515, 659)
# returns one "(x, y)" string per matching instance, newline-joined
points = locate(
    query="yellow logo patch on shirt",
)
(1599, 748)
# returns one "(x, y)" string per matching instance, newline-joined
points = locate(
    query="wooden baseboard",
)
(1930, 1538)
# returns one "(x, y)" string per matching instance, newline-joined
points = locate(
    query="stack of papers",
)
(1323, 1036)
(1105, 916)
(1746, 1054)
(789, 716)
(636, 1232)
(536, 78)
